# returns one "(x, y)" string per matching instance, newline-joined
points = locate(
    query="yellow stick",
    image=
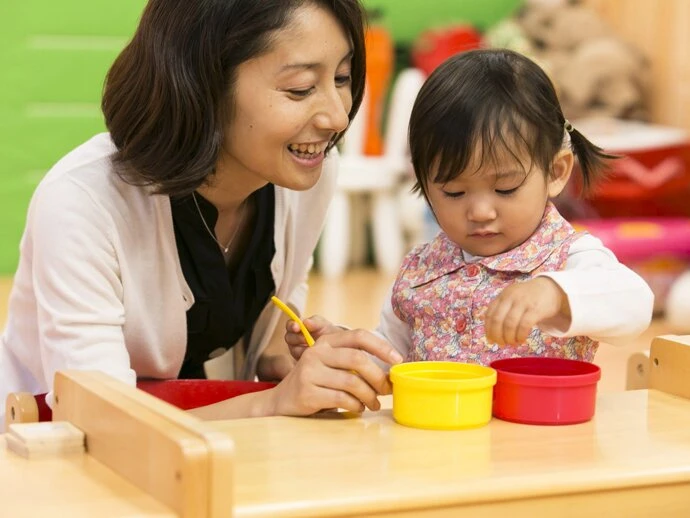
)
(284, 307)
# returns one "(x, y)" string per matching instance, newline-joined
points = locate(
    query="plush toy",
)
(604, 77)
(596, 74)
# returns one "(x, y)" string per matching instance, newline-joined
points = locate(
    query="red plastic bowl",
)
(546, 391)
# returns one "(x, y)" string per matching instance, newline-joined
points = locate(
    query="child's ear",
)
(561, 169)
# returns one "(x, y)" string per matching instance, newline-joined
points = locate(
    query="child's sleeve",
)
(608, 301)
(392, 329)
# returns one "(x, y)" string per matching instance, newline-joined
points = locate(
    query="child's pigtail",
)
(593, 160)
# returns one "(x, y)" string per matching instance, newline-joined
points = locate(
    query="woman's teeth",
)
(306, 149)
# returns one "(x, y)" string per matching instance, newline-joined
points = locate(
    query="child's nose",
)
(481, 211)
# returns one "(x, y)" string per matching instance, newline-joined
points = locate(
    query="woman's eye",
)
(301, 93)
(506, 192)
(343, 80)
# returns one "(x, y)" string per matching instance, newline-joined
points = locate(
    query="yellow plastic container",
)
(442, 395)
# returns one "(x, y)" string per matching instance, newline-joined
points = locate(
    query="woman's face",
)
(289, 103)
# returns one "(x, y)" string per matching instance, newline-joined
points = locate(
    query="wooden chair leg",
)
(20, 407)
(638, 371)
(669, 366)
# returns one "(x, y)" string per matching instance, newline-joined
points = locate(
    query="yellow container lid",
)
(443, 376)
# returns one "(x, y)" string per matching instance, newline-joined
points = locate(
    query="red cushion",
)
(184, 394)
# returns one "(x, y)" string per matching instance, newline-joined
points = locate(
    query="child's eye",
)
(302, 93)
(506, 192)
(457, 194)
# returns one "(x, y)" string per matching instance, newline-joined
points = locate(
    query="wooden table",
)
(632, 460)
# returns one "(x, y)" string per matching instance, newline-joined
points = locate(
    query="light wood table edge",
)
(219, 445)
(167, 453)
(438, 503)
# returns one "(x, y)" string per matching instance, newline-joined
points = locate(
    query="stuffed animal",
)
(596, 73)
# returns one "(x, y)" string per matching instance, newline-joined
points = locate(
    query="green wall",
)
(53, 58)
(54, 55)
(407, 18)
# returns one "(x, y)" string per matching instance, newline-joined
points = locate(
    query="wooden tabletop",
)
(634, 456)
(631, 460)
(78, 485)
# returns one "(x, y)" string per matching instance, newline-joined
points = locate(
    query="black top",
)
(226, 303)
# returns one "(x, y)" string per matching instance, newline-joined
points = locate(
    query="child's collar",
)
(442, 256)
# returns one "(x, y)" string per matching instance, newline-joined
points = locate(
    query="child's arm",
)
(607, 301)
(394, 330)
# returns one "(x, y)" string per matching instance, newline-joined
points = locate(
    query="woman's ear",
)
(561, 169)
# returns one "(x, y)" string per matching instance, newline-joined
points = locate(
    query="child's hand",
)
(519, 308)
(317, 327)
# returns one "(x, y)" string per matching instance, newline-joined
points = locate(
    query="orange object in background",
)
(380, 56)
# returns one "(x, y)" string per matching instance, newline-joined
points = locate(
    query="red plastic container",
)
(652, 179)
(545, 391)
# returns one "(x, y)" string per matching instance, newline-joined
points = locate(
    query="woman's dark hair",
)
(499, 100)
(166, 96)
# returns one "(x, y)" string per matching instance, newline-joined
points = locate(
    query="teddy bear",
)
(595, 73)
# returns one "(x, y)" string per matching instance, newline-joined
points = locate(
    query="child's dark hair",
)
(491, 97)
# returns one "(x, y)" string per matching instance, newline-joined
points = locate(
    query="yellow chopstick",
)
(284, 307)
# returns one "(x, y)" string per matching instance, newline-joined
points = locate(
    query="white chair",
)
(378, 176)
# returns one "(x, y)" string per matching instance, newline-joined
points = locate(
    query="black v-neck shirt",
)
(227, 302)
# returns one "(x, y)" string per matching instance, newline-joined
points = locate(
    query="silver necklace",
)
(210, 232)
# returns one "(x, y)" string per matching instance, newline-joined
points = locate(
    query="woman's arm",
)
(76, 282)
(337, 372)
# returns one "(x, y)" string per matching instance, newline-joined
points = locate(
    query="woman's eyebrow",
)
(311, 65)
(297, 66)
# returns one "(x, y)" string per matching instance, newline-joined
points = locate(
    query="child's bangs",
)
(492, 137)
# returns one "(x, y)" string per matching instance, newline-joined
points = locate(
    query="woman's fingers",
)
(367, 342)
(339, 371)
(351, 370)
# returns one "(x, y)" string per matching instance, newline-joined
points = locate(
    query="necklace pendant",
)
(225, 250)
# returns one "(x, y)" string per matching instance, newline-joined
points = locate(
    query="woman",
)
(206, 197)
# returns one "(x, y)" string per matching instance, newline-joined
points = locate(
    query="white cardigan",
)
(99, 284)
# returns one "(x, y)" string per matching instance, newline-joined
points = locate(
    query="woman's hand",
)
(337, 372)
(513, 314)
(274, 367)
(317, 327)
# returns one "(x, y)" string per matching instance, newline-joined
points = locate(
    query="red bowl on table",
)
(545, 391)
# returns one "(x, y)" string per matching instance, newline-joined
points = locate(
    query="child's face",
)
(498, 207)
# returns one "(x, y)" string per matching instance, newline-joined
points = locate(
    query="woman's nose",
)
(333, 112)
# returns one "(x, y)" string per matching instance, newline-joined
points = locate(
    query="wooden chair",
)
(666, 367)
(23, 407)
(380, 177)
